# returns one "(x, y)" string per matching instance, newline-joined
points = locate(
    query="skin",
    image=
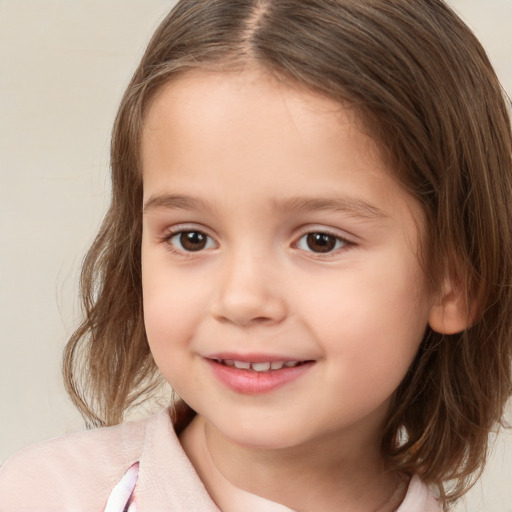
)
(241, 148)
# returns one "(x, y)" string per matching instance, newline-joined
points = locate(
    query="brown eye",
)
(320, 242)
(191, 241)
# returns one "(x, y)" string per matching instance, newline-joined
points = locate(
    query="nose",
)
(249, 292)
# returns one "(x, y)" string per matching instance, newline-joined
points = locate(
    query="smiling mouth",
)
(255, 374)
(261, 367)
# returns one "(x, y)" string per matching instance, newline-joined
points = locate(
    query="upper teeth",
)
(259, 367)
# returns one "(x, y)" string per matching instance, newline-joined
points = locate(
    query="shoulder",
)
(419, 498)
(55, 474)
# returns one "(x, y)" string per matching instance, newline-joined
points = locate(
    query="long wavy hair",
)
(424, 89)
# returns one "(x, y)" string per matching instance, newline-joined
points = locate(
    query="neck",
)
(330, 474)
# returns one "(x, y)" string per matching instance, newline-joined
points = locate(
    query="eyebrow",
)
(353, 207)
(172, 202)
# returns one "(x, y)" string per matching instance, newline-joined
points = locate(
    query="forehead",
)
(245, 92)
(260, 137)
(253, 111)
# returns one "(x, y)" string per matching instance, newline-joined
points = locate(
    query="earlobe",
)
(452, 312)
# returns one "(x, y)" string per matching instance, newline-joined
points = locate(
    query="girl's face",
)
(274, 235)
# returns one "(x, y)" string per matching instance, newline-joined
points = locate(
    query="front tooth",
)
(242, 365)
(276, 365)
(289, 364)
(229, 362)
(260, 367)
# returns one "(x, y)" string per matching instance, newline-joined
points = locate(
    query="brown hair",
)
(425, 90)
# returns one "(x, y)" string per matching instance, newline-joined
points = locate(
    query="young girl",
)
(309, 239)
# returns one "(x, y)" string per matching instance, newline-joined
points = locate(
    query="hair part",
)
(425, 91)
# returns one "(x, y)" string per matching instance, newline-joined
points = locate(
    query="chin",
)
(261, 435)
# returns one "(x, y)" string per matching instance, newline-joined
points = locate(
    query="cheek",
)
(168, 311)
(171, 303)
(371, 323)
(170, 317)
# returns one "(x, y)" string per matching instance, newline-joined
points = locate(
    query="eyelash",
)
(180, 233)
(334, 242)
(322, 236)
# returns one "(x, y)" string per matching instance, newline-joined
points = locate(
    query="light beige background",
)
(63, 67)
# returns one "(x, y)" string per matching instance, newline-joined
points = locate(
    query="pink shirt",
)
(81, 472)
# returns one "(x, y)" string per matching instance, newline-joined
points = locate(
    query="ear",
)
(452, 311)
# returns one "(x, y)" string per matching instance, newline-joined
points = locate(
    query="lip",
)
(249, 382)
(252, 357)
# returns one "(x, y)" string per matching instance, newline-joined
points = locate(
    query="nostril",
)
(262, 319)
(244, 321)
